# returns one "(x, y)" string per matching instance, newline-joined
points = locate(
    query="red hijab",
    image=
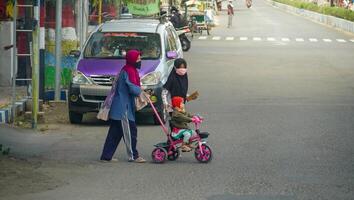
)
(133, 74)
(177, 101)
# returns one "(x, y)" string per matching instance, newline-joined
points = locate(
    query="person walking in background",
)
(176, 18)
(230, 13)
(125, 9)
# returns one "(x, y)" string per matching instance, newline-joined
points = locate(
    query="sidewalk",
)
(334, 22)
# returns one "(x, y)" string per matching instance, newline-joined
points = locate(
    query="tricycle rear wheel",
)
(159, 155)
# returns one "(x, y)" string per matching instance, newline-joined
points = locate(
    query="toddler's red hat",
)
(176, 102)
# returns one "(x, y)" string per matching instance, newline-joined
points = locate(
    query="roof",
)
(131, 25)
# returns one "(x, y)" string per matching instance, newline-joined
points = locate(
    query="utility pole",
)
(85, 19)
(99, 11)
(82, 21)
(118, 3)
(79, 19)
(35, 65)
(42, 51)
(14, 64)
(58, 27)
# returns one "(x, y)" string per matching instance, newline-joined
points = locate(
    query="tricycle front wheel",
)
(203, 153)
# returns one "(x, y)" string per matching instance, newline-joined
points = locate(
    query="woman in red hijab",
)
(122, 110)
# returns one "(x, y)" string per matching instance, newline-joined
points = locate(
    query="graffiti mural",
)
(69, 42)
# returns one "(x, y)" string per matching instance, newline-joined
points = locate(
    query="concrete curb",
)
(5, 113)
(335, 22)
(21, 105)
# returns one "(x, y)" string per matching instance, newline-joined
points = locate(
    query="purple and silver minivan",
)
(103, 56)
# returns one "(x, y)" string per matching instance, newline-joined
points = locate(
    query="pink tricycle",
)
(170, 150)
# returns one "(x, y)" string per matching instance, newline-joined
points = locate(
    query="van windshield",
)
(108, 45)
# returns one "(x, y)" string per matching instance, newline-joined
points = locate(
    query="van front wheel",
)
(163, 115)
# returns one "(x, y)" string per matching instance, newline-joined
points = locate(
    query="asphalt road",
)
(280, 111)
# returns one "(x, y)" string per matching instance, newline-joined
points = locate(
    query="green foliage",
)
(333, 11)
(49, 82)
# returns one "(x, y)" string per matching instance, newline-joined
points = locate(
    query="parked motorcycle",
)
(248, 3)
(185, 35)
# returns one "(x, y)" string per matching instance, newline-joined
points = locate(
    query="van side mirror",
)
(172, 54)
(75, 53)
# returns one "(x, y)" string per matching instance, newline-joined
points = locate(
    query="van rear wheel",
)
(75, 118)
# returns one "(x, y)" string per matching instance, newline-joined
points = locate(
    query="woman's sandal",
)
(112, 160)
(138, 160)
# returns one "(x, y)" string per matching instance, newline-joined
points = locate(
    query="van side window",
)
(170, 41)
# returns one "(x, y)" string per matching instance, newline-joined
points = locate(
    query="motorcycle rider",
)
(176, 18)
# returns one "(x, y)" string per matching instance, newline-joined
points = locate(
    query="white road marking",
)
(257, 39)
(341, 40)
(285, 39)
(271, 39)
